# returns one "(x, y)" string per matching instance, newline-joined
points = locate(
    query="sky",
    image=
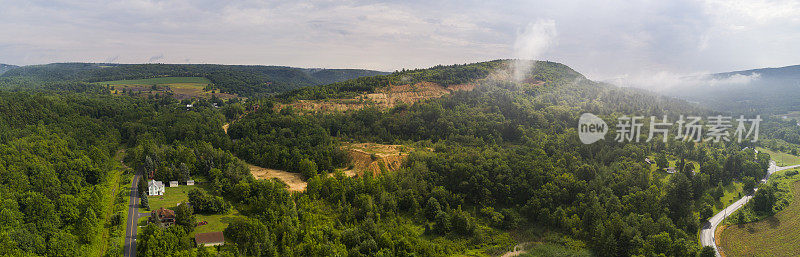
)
(601, 39)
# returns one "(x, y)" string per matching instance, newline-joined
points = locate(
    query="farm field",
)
(158, 81)
(782, 159)
(174, 195)
(779, 232)
(179, 87)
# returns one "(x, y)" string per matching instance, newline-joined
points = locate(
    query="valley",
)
(450, 160)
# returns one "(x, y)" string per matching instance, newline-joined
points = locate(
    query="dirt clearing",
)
(375, 158)
(294, 180)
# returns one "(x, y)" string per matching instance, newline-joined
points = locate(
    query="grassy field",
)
(773, 236)
(179, 87)
(174, 195)
(663, 176)
(554, 250)
(158, 81)
(790, 115)
(782, 159)
(115, 192)
(733, 192)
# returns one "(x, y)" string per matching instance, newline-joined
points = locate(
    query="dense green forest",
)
(494, 167)
(243, 80)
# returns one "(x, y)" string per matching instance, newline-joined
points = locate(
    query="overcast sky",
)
(602, 39)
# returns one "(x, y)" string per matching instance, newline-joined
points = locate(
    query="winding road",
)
(707, 234)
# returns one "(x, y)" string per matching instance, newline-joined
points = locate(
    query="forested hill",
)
(502, 157)
(243, 80)
(442, 75)
(6, 67)
(764, 91)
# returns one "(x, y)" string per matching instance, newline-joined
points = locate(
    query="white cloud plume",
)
(531, 44)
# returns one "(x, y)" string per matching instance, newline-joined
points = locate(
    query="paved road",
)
(707, 234)
(133, 218)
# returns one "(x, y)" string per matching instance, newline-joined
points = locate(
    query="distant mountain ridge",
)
(244, 80)
(787, 72)
(762, 91)
(6, 67)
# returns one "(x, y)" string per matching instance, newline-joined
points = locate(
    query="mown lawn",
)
(174, 195)
(782, 159)
(773, 236)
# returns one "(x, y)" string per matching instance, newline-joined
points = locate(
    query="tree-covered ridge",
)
(501, 160)
(506, 156)
(440, 74)
(6, 67)
(245, 80)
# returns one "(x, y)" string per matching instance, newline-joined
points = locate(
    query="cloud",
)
(156, 58)
(531, 44)
(662, 81)
(112, 59)
(616, 37)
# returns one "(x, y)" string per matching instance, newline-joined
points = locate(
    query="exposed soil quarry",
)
(294, 180)
(375, 158)
(386, 97)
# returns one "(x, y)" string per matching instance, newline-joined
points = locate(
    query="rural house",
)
(209, 239)
(155, 187)
(190, 182)
(173, 183)
(165, 217)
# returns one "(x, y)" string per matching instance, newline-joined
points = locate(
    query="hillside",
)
(763, 91)
(476, 163)
(244, 80)
(505, 152)
(6, 67)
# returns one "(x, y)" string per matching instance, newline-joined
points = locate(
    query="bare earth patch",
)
(386, 97)
(375, 158)
(293, 180)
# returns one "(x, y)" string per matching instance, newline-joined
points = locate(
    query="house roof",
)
(154, 182)
(209, 238)
(165, 213)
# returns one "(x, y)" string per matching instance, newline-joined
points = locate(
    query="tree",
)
(708, 251)
(749, 184)
(307, 168)
(184, 216)
(184, 172)
(203, 202)
(661, 161)
(442, 225)
(251, 237)
(432, 208)
(706, 212)
(142, 185)
(144, 202)
(764, 199)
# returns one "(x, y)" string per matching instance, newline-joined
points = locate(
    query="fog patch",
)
(667, 81)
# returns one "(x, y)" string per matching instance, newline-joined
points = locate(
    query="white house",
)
(155, 188)
(173, 183)
(190, 182)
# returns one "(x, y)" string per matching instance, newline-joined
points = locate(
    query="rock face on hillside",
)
(387, 97)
